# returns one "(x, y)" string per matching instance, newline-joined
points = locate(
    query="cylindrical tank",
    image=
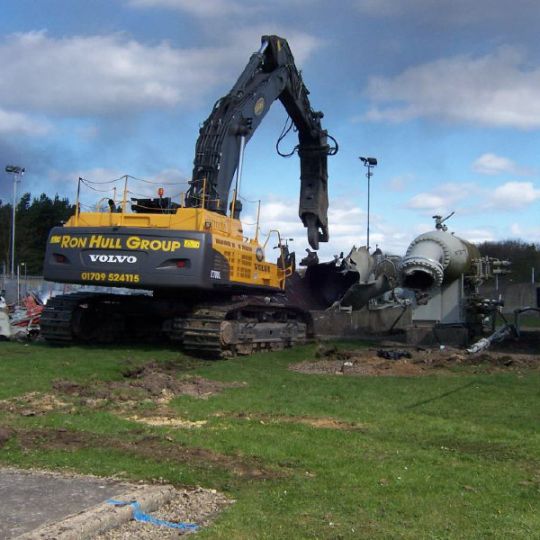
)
(435, 258)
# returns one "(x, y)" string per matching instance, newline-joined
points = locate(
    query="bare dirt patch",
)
(152, 381)
(33, 404)
(152, 385)
(515, 356)
(312, 421)
(5, 435)
(148, 447)
(166, 419)
(325, 423)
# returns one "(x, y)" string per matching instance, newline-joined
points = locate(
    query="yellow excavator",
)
(212, 289)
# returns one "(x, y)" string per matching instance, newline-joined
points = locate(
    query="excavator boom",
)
(270, 74)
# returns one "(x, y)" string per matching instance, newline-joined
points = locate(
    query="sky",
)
(444, 93)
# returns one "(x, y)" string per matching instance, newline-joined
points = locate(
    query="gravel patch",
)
(199, 506)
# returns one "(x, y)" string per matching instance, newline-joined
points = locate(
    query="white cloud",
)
(514, 195)
(467, 198)
(246, 40)
(445, 198)
(65, 182)
(98, 175)
(14, 123)
(530, 234)
(498, 89)
(477, 236)
(172, 176)
(104, 75)
(516, 229)
(492, 164)
(100, 183)
(347, 226)
(426, 201)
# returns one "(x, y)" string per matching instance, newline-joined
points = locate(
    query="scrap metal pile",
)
(347, 283)
(439, 277)
(21, 320)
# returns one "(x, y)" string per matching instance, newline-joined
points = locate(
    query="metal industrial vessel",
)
(446, 272)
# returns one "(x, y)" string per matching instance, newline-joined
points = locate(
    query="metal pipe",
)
(16, 171)
(13, 226)
(240, 164)
(204, 193)
(258, 219)
(369, 163)
(124, 198)
(18, 284)
(25, 278)
(238, 173)
(77, 203)
(368, 198)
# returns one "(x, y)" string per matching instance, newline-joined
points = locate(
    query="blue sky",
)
(445, 93)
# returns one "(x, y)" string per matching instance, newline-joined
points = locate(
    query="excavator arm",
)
(270, 74)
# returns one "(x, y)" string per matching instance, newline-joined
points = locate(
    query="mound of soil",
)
(520, 355)
(32, 404)
(149, 381)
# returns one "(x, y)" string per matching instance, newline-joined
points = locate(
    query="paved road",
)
(29, 499)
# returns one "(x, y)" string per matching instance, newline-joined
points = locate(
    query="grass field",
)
(304, 456)
(528, 321)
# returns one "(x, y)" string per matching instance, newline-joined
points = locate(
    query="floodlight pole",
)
(368, 162)
(17, 172)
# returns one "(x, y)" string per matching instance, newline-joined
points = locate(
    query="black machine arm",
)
(269, 75)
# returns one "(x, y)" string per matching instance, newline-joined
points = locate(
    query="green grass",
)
(433, 457)
(529, 321)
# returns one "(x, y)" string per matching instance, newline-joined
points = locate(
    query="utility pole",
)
(17, 172)
(368, 162)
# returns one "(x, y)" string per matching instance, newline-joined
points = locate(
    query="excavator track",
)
(224, 331)
(56, 320)
(211, 330)
(97, 318)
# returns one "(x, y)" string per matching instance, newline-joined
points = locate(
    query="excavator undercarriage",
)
(213, 329)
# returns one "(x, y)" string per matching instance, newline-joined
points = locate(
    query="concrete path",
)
(30, 499)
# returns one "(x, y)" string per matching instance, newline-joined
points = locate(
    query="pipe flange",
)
(438, 241)
(434, 268)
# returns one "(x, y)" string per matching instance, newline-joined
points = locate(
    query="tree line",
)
(34, 218)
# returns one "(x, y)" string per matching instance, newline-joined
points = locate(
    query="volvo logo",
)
(110, 258)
